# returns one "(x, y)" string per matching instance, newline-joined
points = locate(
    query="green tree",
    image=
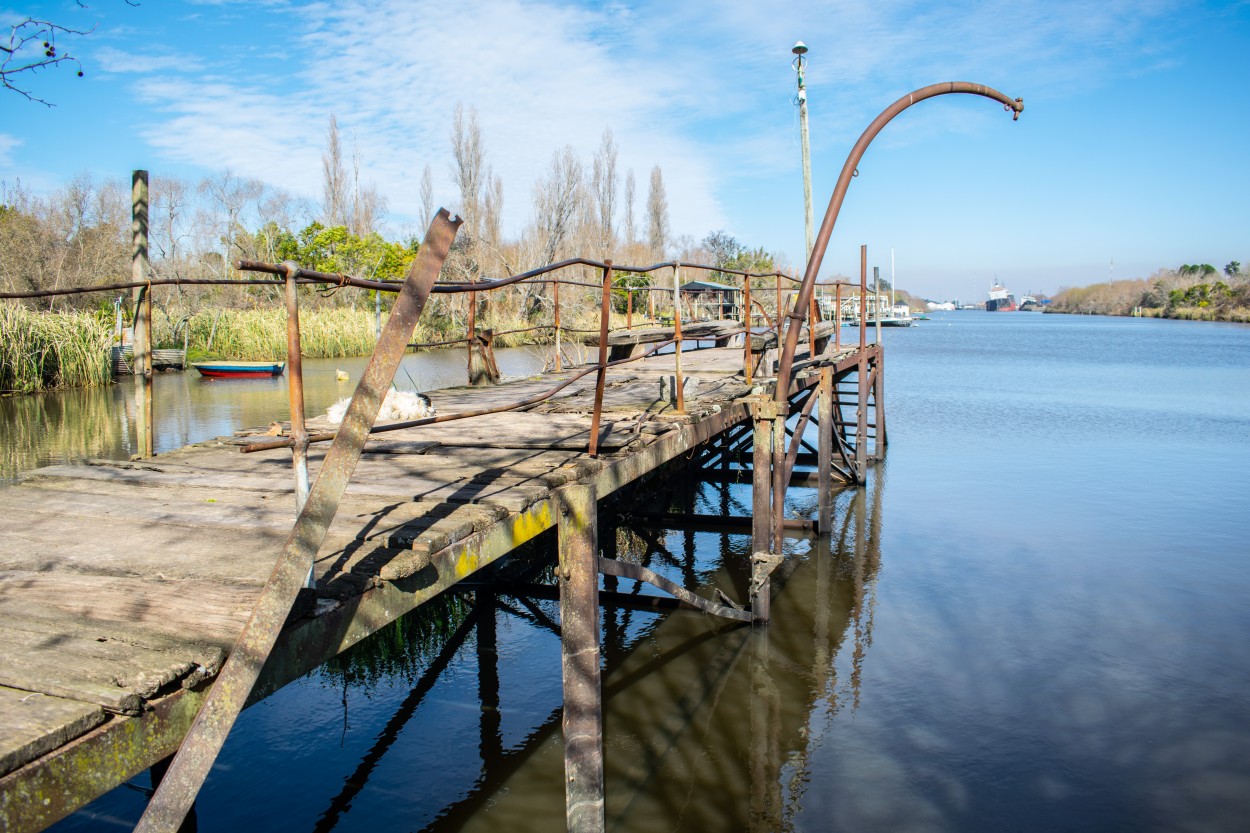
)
(1232, 268)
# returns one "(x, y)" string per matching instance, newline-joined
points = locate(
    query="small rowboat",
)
(239, 370)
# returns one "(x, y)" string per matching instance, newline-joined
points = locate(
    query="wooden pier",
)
(145, 603)
(123, 586)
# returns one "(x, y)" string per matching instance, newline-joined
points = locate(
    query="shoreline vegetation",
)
(62, 350)
(71, 349)
(1191, 293)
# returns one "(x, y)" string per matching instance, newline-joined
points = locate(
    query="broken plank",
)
(32, 724)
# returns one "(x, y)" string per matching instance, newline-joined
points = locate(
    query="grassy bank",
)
(1235, 314)
(40, 350)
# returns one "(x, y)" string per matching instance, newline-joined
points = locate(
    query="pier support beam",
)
(579, 626)
(824, 456)
(761, 477)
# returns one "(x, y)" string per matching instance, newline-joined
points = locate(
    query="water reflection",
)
(707, 724)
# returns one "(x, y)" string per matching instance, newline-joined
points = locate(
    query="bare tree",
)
(629, 207)
(657, 214)
(427, 196)
(556, 200)
(333, 179)
(469, 161)
(603, 179)
(229, 195)
(170, 232)
(492, 212)
(367, 204)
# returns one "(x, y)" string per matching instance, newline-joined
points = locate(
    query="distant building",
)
(944, 306)
(707, 300)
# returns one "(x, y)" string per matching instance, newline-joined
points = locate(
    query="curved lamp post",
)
(799, 312)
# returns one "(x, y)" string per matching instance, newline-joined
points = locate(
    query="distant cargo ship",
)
(1000, 300)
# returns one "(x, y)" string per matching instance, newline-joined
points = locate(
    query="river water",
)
(1034, 617)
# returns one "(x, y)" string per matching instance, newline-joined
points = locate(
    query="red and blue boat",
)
(239, 370)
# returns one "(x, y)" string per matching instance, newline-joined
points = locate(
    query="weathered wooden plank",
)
(111, 673)
(694, 331)
(32, 724)
(212, 611)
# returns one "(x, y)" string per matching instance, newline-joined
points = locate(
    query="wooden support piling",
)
(579, 626)
(761, 479)
(824, 463)
(142, 297)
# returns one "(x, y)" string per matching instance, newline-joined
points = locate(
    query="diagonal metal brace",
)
(182, 782)
(624, 569)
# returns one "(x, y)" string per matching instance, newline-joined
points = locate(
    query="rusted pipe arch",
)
(1016, 106)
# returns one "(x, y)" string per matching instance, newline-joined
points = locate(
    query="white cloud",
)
(109, 59)
(540, 76)
(7, 144)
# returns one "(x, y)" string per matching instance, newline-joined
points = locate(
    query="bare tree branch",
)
(31, 46)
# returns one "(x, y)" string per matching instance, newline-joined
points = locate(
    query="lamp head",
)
(800, 48)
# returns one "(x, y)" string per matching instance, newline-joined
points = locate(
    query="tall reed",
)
(260, 334)
(41, 350)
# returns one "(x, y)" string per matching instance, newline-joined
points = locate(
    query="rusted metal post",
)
(779, 306)
(746, 324)
(811, 327)
(579, 640)
(474, 378)
(863, 297)
(824, 451)
(678, 379)
(234, 684)
(876, 297)
(837, 316)
(141, 360)
(555, 292)
(295, 390)
(601, 375)
(861, 409)
(650, 301)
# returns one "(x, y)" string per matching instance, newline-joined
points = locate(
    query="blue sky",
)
(1134, 146)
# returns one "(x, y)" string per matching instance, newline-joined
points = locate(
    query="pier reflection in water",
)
(707, 726)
